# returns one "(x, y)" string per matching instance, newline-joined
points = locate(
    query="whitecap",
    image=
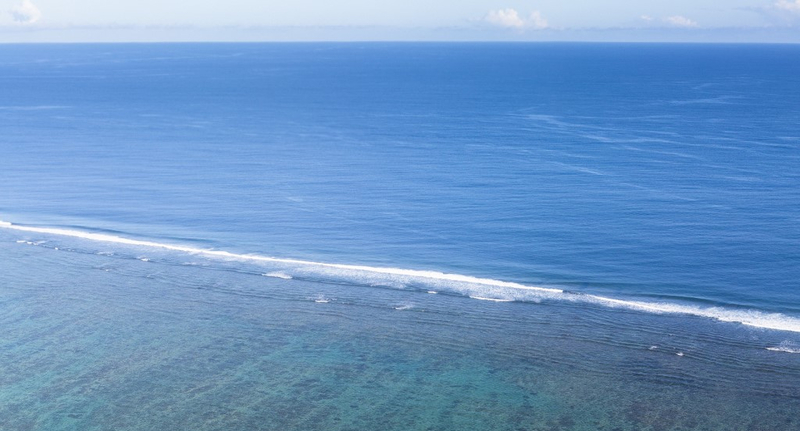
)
(486, 289)
(483, 298)
(785, 347)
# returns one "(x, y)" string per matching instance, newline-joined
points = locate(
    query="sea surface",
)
(399, 236)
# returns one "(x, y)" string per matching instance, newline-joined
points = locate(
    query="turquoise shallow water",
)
(399, 236)
(142, 339)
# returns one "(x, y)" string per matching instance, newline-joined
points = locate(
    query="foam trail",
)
(504, 289)
(752, 318)
(483, 298)
(435, 275)
(785, 347)
(278, 274)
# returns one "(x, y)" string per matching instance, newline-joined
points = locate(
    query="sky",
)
(457, 20)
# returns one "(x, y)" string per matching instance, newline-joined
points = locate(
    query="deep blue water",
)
(663, 176)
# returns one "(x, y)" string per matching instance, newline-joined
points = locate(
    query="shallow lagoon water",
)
(96, 340)
(656, 174)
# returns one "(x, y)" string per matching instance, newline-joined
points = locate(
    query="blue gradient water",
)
(636, 204)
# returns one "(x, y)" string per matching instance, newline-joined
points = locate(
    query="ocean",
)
(427, 236)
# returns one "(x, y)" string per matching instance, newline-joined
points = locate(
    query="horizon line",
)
(401, 41)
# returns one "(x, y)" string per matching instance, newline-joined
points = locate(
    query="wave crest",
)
(434, 281)
(785, 347)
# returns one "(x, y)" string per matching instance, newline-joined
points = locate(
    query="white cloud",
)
(26, 12)
(510, 18)
(505, 18)
(680, 21)
(788, 5)
(537, 21)
(647, 18)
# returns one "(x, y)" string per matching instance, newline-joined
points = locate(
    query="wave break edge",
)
(752, 318)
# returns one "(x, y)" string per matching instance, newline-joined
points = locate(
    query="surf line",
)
(433, 275)
(752, 318)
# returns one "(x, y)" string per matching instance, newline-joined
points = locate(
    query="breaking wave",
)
(485, 289)
(785, 347)
(278, 274)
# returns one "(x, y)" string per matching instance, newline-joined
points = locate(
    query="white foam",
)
(485, 289)
(785, 347)
(483, 298)
(22, 241)
(278, 274)
(320, 299)
(752, 318)
(434, 275)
